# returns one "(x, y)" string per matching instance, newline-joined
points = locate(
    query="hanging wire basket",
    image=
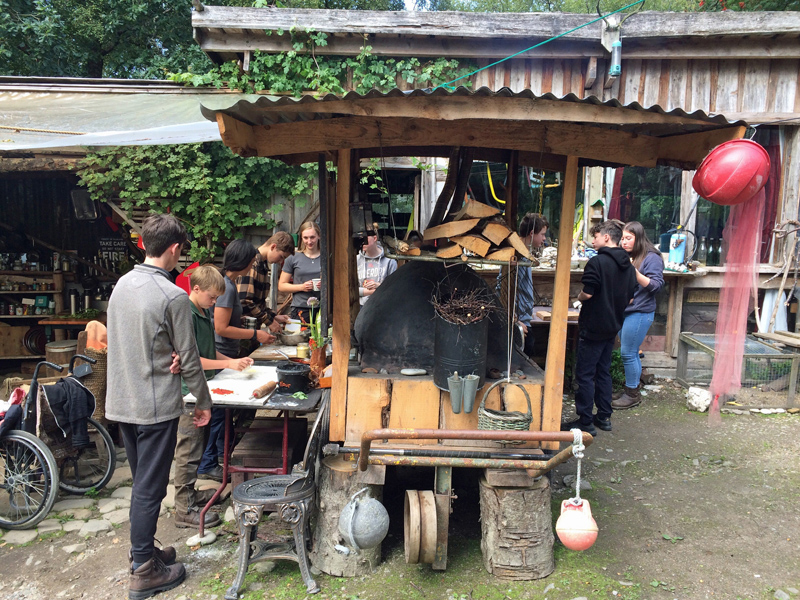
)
(504, 420)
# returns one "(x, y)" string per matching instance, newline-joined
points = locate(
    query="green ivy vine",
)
(214, 192)
(300, 71)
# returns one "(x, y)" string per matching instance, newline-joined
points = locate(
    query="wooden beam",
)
(361, 132)
(520, 26)
(546, 161)
(226, 45)
(591, 73)
(713, 49)
(38, 164)
(341, 296)
(693, 147)
(237, 136)
(557, 342)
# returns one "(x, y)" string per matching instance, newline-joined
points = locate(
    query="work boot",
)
(166, 555)
(604, 424)
(618, 394)
(191, 519)
(629, 399)
(154, 577)
(576, 424)
(215, 474)
(203, 496)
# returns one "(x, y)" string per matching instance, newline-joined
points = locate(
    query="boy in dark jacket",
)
(609, 281)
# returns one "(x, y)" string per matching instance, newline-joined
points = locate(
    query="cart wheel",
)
(28, 480)
(427, 519)
(420, 526)
(90, 467)
(411, 526)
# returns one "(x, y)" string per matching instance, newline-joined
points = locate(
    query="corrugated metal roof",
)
(265, 110)
(68, 113)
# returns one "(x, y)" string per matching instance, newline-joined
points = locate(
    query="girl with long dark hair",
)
(639, 314)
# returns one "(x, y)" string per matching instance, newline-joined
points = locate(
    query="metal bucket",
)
(459, 348)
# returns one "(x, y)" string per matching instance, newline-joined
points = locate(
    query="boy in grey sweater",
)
(149, 321)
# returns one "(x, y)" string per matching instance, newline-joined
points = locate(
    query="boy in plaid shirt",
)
(254, 287)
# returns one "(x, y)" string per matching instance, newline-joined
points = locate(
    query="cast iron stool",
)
(292, 497)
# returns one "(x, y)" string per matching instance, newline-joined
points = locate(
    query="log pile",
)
(477, 230)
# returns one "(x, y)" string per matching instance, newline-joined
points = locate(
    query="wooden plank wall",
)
(718, 86)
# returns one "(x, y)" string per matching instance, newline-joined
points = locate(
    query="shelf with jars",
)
(27, 295)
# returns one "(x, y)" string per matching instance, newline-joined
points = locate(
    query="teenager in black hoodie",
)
(609, 281)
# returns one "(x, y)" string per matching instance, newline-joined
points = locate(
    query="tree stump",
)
(517, 531)
(338, 481)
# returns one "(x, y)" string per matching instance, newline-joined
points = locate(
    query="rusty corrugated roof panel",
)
(266, 109)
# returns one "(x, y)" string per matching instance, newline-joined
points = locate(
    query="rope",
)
(14, 128)
(577, 452)
(555, 37)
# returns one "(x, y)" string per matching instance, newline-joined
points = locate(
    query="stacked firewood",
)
(478, 230)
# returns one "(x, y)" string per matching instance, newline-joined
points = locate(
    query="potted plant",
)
(318, 343)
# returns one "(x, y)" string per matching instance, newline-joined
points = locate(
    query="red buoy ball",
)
(576, 528)
(732, 173)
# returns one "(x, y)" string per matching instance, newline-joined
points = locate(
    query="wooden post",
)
(324, 225)
(341, 297)
(556, 346)
(512, 190)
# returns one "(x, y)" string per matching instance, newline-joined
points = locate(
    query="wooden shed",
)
(743, 65)
(412, 417)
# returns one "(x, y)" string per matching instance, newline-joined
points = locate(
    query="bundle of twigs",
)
(463, 308)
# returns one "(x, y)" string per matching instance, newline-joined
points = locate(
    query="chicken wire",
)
(763, 365)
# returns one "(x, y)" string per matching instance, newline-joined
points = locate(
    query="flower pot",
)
(318, 359)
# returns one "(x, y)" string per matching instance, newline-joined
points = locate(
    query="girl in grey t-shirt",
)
(300, 269)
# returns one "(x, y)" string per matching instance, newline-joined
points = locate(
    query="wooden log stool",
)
(339, 480)
(517, 530)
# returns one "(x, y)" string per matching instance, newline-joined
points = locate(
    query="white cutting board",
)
(241, 383)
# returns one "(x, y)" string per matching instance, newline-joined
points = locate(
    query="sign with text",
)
(113, 249)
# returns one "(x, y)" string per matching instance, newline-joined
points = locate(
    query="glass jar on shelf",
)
(702, 252)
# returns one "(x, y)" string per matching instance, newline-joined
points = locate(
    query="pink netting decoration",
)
(742, 237)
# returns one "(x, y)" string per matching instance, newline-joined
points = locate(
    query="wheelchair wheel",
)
(28, 480)
(90, 467)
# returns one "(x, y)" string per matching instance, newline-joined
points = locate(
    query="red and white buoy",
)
(576, 528)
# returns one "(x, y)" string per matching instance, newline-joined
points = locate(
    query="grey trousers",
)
(188, 453)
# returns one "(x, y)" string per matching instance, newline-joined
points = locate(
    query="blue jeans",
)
(216, 441)
(634, 330)
(593, 374)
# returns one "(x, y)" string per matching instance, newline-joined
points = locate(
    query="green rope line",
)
(600, 18)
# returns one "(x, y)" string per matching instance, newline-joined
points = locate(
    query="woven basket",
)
(95, 382)
(502, 420)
